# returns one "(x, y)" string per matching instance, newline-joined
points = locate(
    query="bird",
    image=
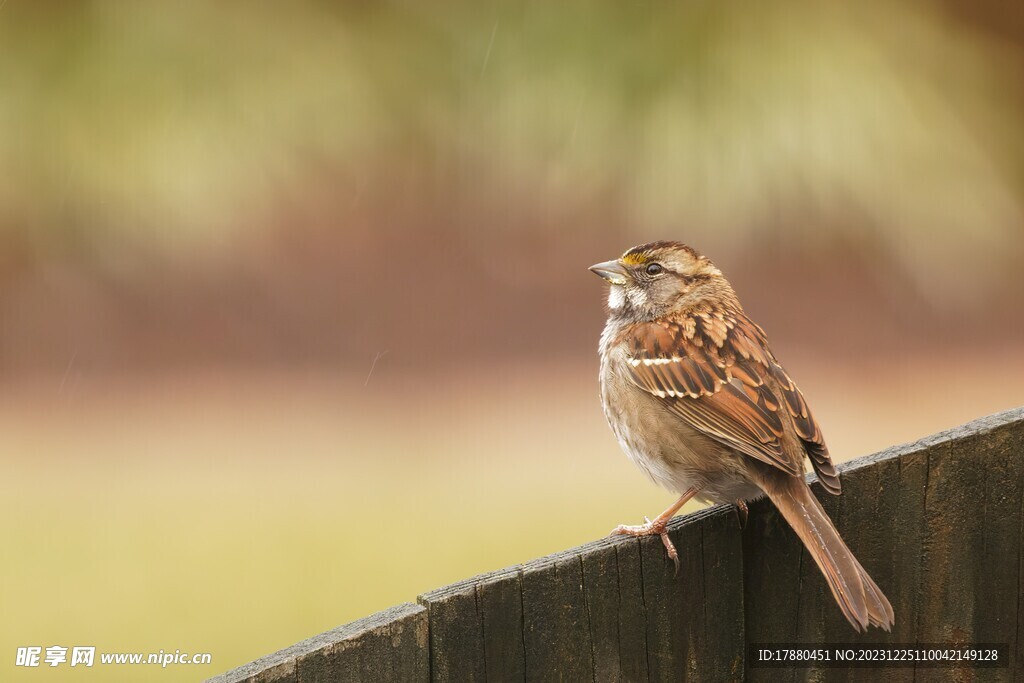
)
(698, 401)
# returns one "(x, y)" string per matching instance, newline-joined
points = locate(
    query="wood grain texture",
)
(694, 620)
(938, 523)
(386, 646)
(456, 633)
(556, 630)
(632, 612)
(605, 612)
(724, 655)
(500, 597)
(772, 557)
(1001, 455)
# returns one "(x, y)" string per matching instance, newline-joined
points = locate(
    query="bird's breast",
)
(657, 442)
(663, 445)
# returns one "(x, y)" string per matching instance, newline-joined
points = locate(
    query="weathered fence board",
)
(606, 612)
(456, 635)
(632, 627)
(722, 548)
(604, 608)
(904, 592)
(387, 646)
(1004, 527)
(680, 622)
(939, 524)
(500, 597)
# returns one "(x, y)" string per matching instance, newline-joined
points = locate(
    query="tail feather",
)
(880, 612)
(858, 596)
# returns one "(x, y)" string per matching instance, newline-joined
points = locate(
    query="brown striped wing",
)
(715, 371)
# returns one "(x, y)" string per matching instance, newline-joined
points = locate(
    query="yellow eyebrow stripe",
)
(635, 259)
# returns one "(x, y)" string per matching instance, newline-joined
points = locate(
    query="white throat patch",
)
(616, 297)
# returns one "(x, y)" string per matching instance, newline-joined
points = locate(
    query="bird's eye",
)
(654, 269)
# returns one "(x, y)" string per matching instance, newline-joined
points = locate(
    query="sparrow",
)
(699, 403)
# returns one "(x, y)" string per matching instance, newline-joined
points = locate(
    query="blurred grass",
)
(177, 125)
(237, 515)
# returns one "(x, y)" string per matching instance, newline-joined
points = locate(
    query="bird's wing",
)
(807, 429)
(715, 370)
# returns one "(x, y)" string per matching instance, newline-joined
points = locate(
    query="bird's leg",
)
(658, 526)
(741, 512)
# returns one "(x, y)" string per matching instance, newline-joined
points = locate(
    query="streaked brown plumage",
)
(699, 402)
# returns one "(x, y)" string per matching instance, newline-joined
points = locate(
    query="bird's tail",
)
(859, 597)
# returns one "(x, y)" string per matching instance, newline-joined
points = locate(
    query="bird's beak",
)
(612, 271)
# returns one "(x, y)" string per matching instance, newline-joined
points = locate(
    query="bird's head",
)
(659, 279)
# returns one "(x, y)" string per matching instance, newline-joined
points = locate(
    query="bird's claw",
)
(670, 549)
(650, 528)
(741, 513)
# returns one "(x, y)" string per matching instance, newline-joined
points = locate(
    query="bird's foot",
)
(741, 512)
(649, 528)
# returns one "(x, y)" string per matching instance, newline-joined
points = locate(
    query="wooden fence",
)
(938, 524)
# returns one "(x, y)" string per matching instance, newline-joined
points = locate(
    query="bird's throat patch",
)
(616, 297)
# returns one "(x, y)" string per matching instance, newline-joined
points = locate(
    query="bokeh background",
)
(295, 321)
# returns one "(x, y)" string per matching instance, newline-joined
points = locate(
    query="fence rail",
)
(938, 523)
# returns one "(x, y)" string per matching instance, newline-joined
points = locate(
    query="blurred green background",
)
(295, 321)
